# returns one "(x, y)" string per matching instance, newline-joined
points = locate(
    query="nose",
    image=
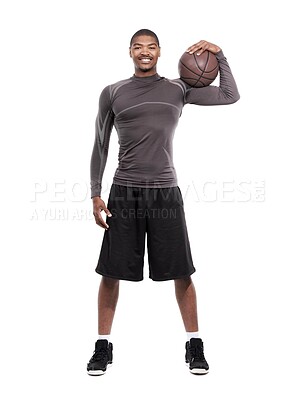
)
(145, 52)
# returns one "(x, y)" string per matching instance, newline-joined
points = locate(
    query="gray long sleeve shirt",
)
(145, 112)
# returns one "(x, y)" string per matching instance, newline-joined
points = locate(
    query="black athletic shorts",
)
(136, 211)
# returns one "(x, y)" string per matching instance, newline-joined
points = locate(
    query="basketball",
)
(198, 71)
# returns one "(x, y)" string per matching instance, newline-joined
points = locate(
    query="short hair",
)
(144, 32)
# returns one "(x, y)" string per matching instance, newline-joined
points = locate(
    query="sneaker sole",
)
(98, 372)
(197, 371)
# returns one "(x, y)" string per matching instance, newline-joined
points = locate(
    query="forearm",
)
(225, 93)
(228, 87)
(97, 167)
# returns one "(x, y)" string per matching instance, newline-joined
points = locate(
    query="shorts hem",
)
(173, 277)
(118, 277)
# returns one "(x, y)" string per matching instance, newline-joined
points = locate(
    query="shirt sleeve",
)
(225, 93)
(103, 127)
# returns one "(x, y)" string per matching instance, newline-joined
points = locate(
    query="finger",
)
(100, 221)
(102, 224)
(102, 207)
(107, 212)
(213, 48)
(196, 45)
(203, 47)
(197, 50)
(193, 48)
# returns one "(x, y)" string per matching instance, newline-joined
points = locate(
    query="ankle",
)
(104, 337)
(191, 335)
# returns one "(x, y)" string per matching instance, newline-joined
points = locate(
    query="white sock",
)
(191, 335)
(107, 337)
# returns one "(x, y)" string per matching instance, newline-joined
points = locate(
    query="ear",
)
(159, 52)
(130, 53)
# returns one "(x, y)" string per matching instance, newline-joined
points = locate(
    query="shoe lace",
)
(100, 355)
(197, 353)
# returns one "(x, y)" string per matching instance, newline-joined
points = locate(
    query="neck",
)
(144, 74)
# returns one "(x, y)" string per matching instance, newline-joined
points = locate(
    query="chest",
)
(160, 98)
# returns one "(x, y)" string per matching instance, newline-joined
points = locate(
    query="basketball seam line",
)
(202, 70)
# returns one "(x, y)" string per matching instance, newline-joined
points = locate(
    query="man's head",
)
(144, 50)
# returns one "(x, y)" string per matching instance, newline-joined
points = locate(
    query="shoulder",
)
(179, 84)
(115, 86)
(109, 91)
(118, 84)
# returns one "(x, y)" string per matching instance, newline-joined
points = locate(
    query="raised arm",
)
(103, 128)
(225, 93)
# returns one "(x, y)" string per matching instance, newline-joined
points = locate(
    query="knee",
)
(183, 282)
(109, 282)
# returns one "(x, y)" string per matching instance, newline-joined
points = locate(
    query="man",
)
(145, 198)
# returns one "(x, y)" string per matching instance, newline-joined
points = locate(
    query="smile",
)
(145, 60)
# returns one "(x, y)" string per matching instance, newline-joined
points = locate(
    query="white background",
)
(56, 57)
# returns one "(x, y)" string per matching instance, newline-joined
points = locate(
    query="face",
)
(144, 52)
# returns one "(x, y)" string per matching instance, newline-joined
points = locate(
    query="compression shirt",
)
(145, 113)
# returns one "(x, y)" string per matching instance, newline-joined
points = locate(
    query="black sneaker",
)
(195, 358)
(101, 358)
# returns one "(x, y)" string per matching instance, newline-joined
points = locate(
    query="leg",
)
(107, 301)
(186, 298)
